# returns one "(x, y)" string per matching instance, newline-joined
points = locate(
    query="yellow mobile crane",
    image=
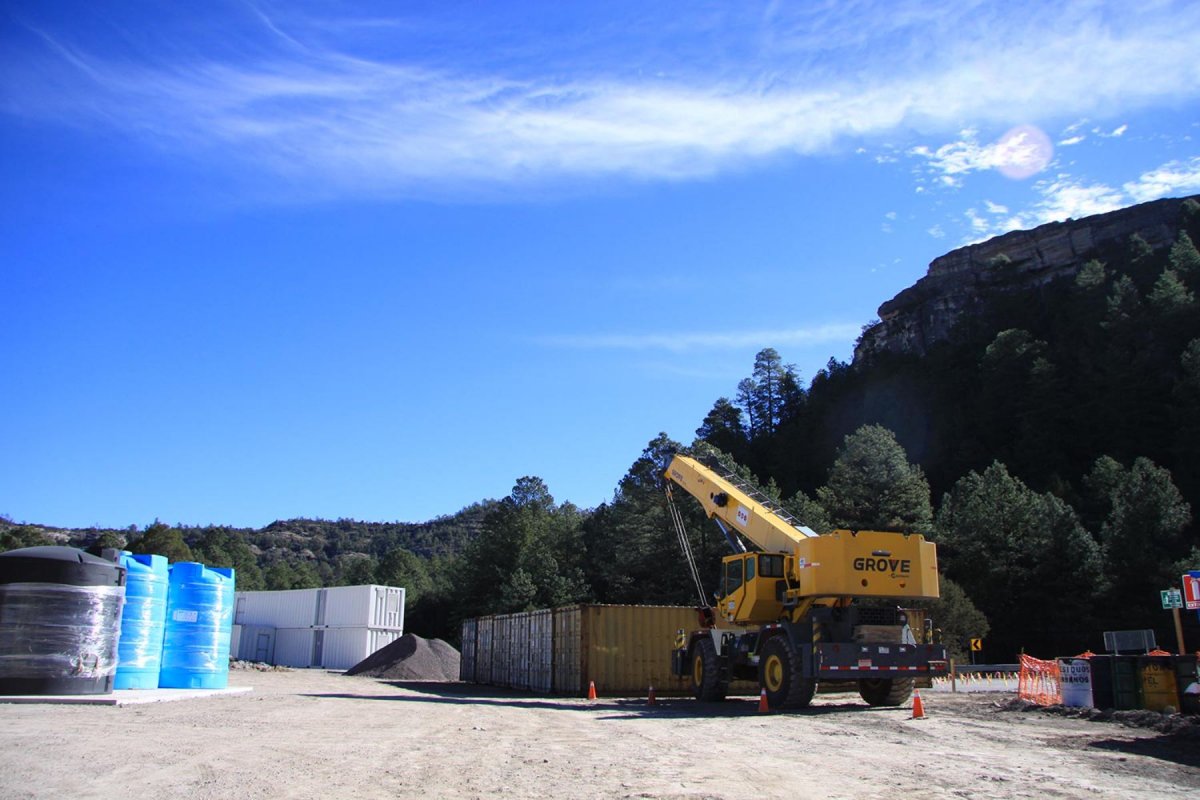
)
(785, 612)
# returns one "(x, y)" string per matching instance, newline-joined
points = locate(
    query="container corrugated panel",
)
(235, 641)
(518, 650)
(541, 651)
(364, 606)
(342, 648)
(294, 647)
(466, 661)
(501, 647)
(627, 649)
(293, 608)
(484, 645)
(567, 660)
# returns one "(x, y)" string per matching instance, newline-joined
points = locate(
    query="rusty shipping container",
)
(466, 660)
(484, 627)
(541, 651)
(622, 649)
(501, 650)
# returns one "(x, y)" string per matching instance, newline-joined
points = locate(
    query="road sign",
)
(1171, 598)
(1191, 590)
(976, 645)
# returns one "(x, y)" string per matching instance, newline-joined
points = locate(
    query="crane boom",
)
(730, 500)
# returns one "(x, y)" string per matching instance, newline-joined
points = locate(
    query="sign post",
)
(1173, 600)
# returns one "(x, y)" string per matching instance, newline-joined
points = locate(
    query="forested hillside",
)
(1048, 443)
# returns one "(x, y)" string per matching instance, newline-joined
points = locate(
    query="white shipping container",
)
(365, 606)
(292, 608)
(256, 643)
(294, 646)
(325, 648)
(345, 647)
(235, 640)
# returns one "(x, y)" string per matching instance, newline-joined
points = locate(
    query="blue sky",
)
(262, 260)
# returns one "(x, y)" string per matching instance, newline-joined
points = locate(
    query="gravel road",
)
(313, 734)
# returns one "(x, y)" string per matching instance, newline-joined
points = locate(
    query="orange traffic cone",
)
(918, 706)
(763, 706)
(591, 690)
(650, 699)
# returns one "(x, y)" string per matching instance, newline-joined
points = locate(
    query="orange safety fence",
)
(1040, 682)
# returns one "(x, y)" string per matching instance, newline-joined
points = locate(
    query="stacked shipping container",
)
(334, 628)
(622, 649)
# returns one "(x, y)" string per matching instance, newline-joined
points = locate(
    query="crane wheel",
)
(886, 691)
(780, 675)
(706, 671)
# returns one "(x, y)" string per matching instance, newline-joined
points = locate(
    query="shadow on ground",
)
(1183, 750)
(606, 707)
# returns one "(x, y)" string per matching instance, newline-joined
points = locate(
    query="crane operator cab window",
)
(770, 566)
(733, 575)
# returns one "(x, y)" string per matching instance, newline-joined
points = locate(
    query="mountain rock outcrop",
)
(961, 282)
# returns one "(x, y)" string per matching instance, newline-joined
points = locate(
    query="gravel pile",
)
(411, 658)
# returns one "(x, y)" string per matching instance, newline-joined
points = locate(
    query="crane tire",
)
(780, 674)
(886, 691)
(706, 671)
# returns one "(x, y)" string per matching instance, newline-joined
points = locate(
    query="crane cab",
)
(752, 587)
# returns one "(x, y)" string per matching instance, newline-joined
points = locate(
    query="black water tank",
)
(60, 621)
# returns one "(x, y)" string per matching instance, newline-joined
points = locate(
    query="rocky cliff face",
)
(961, 282)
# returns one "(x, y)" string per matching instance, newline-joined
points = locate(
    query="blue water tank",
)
(142, 622)
(199, 622)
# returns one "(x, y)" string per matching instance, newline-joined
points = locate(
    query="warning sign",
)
(1191, 591)
(976, 645)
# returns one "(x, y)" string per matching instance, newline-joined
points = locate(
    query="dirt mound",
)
(1181, 725)
(411, 658)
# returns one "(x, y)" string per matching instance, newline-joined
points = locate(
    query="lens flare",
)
(1023, 151)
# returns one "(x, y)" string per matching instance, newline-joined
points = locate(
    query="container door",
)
(318, 647)
(262, 648)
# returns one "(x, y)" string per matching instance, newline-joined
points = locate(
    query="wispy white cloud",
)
(1174, 178)
(1071, 140)
(350, 120)
(708, 340)
(1019, 153)
(1065, 196)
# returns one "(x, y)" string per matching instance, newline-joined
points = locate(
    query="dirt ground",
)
(313, 734)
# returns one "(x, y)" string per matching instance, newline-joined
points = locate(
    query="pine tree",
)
(1016, 550)
(1169, 294)
(1184, 258)
(873, 487)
